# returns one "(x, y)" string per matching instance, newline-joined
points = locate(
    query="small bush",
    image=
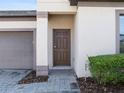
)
(108, 68)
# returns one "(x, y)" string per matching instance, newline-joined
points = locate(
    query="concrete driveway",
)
(59, 82)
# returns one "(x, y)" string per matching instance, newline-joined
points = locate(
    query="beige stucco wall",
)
(59, 22)
(17, 24)
(42, 42)
(95, 33)
(55, 6)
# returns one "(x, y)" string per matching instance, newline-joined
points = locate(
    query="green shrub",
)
(108, 68)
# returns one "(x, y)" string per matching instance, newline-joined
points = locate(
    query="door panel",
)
(61, 47)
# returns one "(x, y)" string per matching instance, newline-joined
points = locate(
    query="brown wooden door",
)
(61, 47)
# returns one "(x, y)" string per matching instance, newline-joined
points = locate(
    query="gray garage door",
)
(16, 50)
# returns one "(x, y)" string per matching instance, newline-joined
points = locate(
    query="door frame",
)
(33, 30)
(62, 67)
(118, 13)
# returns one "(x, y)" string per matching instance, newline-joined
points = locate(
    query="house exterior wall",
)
(42, 44)
(95, 33)
(17, 23)
(59, 22)
(56, 6)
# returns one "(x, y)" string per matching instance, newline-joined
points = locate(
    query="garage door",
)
(16, 50)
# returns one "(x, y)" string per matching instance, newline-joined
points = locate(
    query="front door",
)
(61, 47)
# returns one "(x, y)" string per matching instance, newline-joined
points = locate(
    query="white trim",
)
(34, 48)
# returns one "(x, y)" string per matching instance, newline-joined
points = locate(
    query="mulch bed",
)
(89, 85)
(32, 78)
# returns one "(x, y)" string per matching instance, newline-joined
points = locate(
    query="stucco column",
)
(42, 44)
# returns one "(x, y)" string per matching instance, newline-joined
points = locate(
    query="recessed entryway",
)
(61, 47)
(58, 23)
(16, 49)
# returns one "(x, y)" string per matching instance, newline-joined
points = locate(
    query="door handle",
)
(54, 46)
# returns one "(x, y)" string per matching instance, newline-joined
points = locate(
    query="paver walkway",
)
(60, 81)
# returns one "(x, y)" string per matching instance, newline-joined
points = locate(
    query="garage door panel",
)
(16, 50)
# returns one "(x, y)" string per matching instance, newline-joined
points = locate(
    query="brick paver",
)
(60, 81)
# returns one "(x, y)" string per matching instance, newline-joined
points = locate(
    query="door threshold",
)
(61, 67)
